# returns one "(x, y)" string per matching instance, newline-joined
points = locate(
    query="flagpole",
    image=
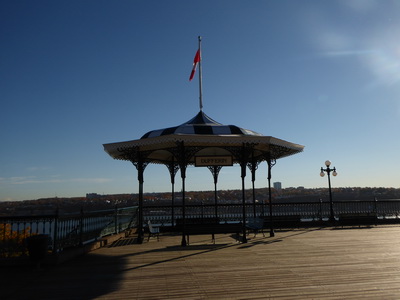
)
(200, 79)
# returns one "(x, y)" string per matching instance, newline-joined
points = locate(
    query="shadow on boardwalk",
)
(86, 277)
(298, 264)
(94, 275)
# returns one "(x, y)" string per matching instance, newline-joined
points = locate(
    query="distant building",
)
(92, 196)
(278, 185)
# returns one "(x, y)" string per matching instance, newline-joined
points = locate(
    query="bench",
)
(357, 219)
(198, 226)
(153, 231)
(255, 225)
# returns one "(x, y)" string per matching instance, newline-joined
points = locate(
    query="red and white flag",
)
(195, 62)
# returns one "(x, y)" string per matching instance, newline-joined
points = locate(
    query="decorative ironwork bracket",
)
(215, 171)
(173, 168)
(253, 166)
(137, 158)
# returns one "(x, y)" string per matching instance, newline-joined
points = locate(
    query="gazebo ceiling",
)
(202, 136)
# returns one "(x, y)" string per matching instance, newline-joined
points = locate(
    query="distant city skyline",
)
(78, 74)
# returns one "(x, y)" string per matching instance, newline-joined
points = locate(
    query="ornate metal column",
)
(215, 171)
(270, 162)
(137, 158)
(246, 148)
(182, 166)
(140, 166)
(183, 155)
(253, 166)
(173, 169)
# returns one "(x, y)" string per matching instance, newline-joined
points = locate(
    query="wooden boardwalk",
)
(327, 263)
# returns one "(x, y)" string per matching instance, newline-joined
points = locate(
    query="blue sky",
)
(77, 74)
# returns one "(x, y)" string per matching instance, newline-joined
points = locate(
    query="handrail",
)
(313, 210)
(64, 230)
(71, 230)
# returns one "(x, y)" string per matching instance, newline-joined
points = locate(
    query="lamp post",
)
(328, 171)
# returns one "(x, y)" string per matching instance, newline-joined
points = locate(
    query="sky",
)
(75, 75)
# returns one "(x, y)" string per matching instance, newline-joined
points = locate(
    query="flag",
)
(195, 62)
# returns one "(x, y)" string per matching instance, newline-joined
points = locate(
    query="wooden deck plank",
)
(314, 263)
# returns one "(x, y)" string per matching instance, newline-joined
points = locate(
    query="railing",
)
(383, 209)
(64, 231)
(73, 230)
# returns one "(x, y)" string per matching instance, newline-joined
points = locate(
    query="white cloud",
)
(361, 6)
(374, 46)
(385, 63)
(90, 180)
(35, 168)
(349, 53)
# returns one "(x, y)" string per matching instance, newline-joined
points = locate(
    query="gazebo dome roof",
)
(203, 125)
(204, 136)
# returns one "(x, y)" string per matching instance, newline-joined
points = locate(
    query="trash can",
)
(37, 246)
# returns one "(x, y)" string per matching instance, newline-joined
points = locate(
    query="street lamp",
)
(328, 171)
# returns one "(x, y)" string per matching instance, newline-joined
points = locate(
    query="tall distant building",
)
(92, 195)
(278, 185)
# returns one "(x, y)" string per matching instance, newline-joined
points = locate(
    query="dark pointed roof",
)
(203, 125)
(206, 136)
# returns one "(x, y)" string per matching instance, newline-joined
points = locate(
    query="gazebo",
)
(202, 141)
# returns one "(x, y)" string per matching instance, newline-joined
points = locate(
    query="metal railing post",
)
(55, 239)
(81, 228)
(320, 210)
(116, 219)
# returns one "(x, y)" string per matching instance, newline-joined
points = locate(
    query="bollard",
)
(37, 247)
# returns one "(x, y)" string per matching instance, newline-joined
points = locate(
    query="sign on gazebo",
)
(206, 161)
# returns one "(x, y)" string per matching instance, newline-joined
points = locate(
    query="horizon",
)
(77, 75)
(202, 191)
